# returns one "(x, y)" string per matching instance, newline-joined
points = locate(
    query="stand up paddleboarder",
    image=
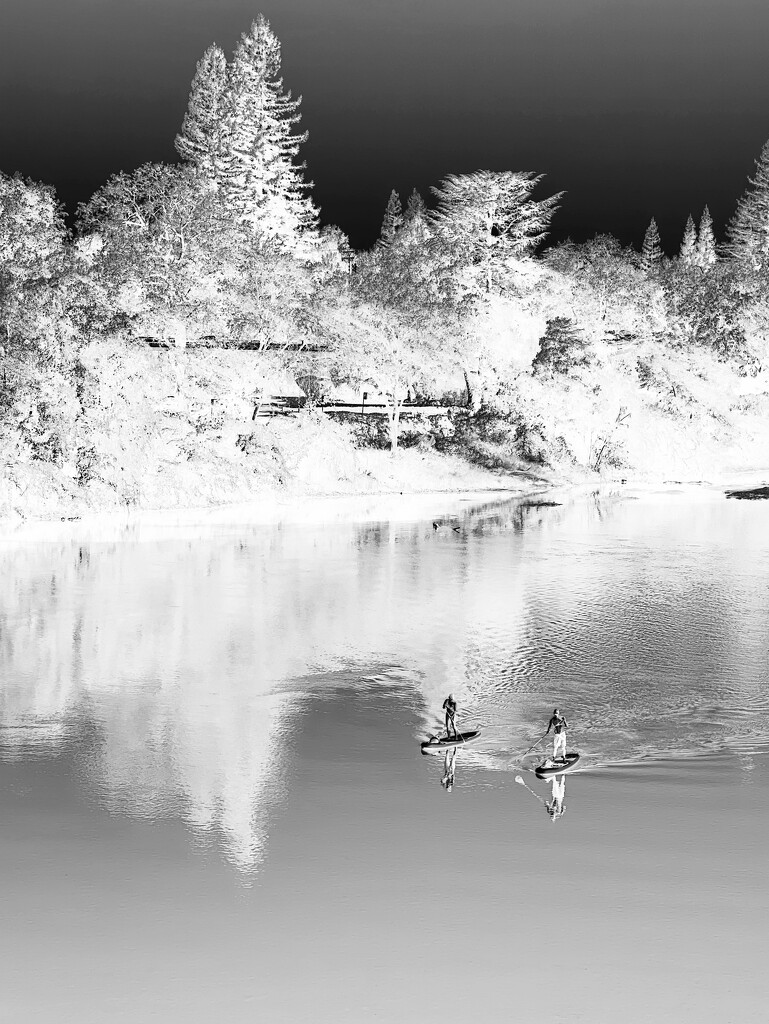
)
(558, 724)
(450, 707)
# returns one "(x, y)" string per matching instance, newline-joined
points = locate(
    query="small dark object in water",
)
(751, 495)
(540, 504)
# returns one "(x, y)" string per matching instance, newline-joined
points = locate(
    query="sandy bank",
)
(331, 509)
(152, 524)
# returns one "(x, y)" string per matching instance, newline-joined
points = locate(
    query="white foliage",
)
(490, 216)
(238, 131)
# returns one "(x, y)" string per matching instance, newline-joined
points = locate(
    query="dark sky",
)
(637, 108)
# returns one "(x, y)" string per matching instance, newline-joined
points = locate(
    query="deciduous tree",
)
(490, 217)
(157, 245)
(603, 289)
(33, 263)
(396, 323)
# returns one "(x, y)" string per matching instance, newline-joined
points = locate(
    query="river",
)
(213, 803)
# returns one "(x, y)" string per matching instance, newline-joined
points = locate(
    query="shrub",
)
(561, 348)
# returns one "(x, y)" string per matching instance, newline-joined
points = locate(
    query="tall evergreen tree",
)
(651, 251)
(415, 224)
(415, 208)
(200, 140)
(393, 219)
(748, 230)
(689, 242)
(705, 253)
(238, 131)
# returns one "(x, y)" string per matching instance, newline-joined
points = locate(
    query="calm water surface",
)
(213, 805)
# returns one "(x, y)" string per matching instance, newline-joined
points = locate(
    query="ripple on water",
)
(652, 648)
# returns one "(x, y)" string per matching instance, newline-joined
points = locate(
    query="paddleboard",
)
(435, 744)
(559, 767)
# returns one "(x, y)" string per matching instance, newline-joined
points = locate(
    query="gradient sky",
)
(637, 108)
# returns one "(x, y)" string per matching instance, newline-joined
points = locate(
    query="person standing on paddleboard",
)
(558, 724)
(450, 707)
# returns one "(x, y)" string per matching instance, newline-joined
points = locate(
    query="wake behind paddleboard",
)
(559, 767)
(435, 744)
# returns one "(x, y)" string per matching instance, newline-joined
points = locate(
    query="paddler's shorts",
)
(559, 743)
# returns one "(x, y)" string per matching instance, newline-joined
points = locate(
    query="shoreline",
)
(335, 508)
(267, 510)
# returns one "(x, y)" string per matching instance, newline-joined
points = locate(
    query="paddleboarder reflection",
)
(555, 807)
(449, 767)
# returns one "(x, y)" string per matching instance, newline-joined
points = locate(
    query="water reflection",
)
(449, 769)
(178, 671)
(556, 807)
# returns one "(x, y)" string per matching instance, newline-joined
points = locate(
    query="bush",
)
(561, 348)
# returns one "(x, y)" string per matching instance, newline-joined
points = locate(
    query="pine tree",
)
(705, 253)
(260, 180)
(393, 220)
(200, 140)
(415, 228)
(561, 347)
(651, 251)
(748, 230)
(415, 208)
(689, 242)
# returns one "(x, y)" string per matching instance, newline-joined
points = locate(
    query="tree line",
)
(226, 245)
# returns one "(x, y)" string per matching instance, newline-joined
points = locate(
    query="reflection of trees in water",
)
(184, 652)
(170, 649)
(181, 652)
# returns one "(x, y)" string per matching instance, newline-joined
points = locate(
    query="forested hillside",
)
(564, 360)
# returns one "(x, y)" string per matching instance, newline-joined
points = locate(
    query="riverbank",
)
(329, 480)
(112, 525)
(141, 434)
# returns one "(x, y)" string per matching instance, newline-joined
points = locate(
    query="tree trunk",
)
(468, 389)
(474, 402)
(393, 420)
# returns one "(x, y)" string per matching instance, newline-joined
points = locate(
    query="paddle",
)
(456, 731)
(522, 783)
(544, 734)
